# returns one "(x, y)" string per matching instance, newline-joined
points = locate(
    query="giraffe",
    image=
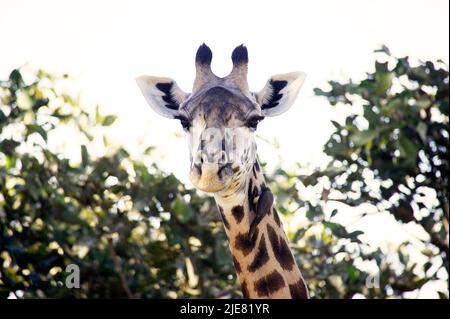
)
(220, 118)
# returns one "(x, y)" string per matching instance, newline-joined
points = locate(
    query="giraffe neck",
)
(264, 263)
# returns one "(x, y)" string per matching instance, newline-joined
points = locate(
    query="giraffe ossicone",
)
(220, 117)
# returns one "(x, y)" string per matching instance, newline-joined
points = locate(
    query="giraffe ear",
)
(163, 94)
(279, 93)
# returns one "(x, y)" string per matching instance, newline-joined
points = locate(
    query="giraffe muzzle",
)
(211, 177)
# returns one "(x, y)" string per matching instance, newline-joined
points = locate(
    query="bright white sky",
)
(106, 44)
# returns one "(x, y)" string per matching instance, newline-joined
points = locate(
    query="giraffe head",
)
(220, 116)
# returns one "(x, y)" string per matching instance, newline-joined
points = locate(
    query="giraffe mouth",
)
(211, 178)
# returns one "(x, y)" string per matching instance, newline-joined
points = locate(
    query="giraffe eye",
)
(184, 122)
(252, 123)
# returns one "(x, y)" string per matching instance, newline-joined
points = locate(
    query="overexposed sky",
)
(105, 45)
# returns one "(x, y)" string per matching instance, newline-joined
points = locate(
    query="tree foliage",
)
(138, 232)
(133, 230)
(391, 152)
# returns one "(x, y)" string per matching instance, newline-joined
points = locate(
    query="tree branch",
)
(118, 267)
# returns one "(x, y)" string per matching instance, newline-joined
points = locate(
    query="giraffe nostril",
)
(223, 157)
(222, 168)
(198, 168)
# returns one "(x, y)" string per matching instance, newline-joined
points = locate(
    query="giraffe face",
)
(220, 125)
(220, 116)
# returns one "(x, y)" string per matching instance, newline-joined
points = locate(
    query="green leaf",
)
(371, 117)
(381, 67)
(384, 49)
(407, 148)
(354, 234)
(84, 155)
(98, 116)
(383, 82)
(10, 161)
(443, 294)
(313, 213)
(32, 128)
(222, 253)
(3, 118)
(174, 235)
(336, 124)
(8, 146)
(353, 273)
(182, 211)
(16, 78)
(149, 149)
(337, 229)
(361, 138)
(422, 131)
(38, 103)
(402, 66)
(109, 119)
(333, 213)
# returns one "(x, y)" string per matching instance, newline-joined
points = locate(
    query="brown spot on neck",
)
(244, 243)
(299, 290)
(269, 284)
(261, 257)
(238, 213)
(280, 249)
